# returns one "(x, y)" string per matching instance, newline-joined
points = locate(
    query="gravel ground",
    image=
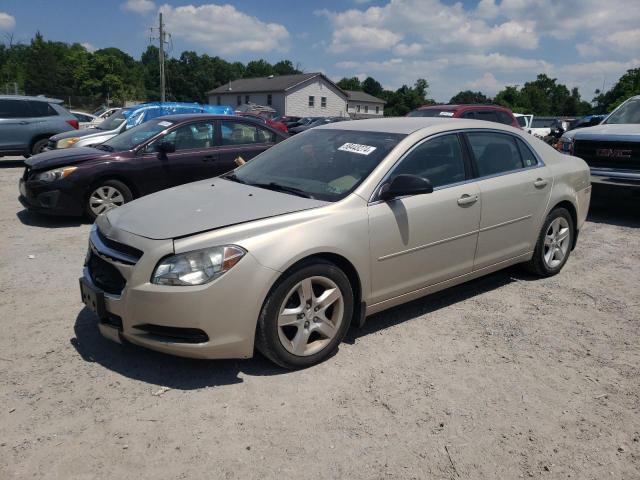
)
(505, 377)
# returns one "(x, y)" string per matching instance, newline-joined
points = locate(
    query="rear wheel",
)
(306, 316)
(106, 195)
(554, 244)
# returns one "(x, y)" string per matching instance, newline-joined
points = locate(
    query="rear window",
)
(41, 109)
(542, 122)
(522, 121)
(432, 112)
(14, 109)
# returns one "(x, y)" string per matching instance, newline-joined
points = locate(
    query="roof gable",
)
(358, 96)
(273, 83)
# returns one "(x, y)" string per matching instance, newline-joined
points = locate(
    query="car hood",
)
(613, 132)
(203, 206)
(85, 132)
(63, 157)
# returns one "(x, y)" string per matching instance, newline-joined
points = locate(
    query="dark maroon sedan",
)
(158, 154)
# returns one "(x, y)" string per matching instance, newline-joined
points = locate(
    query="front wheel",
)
(554, 244)
(106, 195)
(306, 316)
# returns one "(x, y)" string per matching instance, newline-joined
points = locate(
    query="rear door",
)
(241, 139)
(515, 187)
(15, 124)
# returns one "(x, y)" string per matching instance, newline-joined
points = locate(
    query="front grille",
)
(132, 252)
(588, 150)
(104, 275)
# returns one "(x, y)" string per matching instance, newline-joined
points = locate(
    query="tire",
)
(546, 262)
(38, 146)
(305, 336)
(112, 193)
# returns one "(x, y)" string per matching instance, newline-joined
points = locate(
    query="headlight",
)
(197, 267)
(565, 145)
(67, 142)
(55, 174)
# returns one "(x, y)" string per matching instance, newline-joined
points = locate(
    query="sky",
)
(455, 45)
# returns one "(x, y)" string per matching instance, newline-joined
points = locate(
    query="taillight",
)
(74, 123)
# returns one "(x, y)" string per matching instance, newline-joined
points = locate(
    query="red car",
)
(267, 121)
(489, 113)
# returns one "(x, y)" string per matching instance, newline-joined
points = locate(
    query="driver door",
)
(421, 240)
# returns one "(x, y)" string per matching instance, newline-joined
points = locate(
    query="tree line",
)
(71, 72)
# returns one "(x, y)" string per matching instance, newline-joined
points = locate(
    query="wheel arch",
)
(571, 208)
(112, 176)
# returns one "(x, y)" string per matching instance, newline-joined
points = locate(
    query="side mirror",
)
(166, 147)
(405, 185)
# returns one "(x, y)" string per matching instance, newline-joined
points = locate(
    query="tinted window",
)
(326, 164)
(41, 109)
(197, 135)
(133, 137)
(487, 116)
(522, 121)
(439, 160)
(114, 121)
(240, 133)
(629, 112)
(542, 122)
(14, 109)
(504, 117)
(494, 152)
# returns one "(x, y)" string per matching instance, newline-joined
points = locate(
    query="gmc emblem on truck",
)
(611, 153)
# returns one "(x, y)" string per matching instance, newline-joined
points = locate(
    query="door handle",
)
(465, 200)
(540, 183)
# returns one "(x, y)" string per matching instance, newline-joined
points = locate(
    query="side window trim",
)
(540, 163)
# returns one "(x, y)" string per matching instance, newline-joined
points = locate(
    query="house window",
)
(358, 108)
(323, 102)
(312, 100)
(239, 100)
(269, 100)
(377, 110)
(246, 99)
(219, 100)
(366, 109)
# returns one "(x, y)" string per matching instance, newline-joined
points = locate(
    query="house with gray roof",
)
(363, 105)
(301, 95)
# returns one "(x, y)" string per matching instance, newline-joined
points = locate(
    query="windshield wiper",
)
(282, 188)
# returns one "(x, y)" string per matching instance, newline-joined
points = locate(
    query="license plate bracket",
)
(92, 298)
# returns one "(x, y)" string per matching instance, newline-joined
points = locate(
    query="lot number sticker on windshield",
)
(164, 123)
(357, 148)
(446, 114)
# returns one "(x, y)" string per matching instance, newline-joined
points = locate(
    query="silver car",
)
(325, 228)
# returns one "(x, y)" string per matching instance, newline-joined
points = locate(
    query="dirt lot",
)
(505, 377)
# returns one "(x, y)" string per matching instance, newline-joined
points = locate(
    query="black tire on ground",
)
(537, 264)
(267, 337)
(116, 184)
(38, 146)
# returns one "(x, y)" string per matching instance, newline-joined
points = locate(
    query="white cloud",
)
(488, 84)
(405, 50)
(223, 29)
(7, 22)
(618, 43)
(139, 6)
(89, 47)
(363, 39)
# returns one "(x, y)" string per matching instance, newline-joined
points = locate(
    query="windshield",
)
(114, 121)
(431, 112)
(130, 139)
(325, 164)
(628, 112)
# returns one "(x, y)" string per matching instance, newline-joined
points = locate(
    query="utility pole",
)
(162, 41)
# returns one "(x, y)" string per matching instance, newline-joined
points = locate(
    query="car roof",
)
(475, 106)
(27, 97)
(407, 125)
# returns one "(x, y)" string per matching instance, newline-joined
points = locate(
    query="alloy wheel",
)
(310, 316)
(556, 242)
(105, 198)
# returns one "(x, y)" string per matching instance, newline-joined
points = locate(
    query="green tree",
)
(372, 87)
(469, 97)
(627, 86)
(352, 83)
(259, 68)
(285, 67)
